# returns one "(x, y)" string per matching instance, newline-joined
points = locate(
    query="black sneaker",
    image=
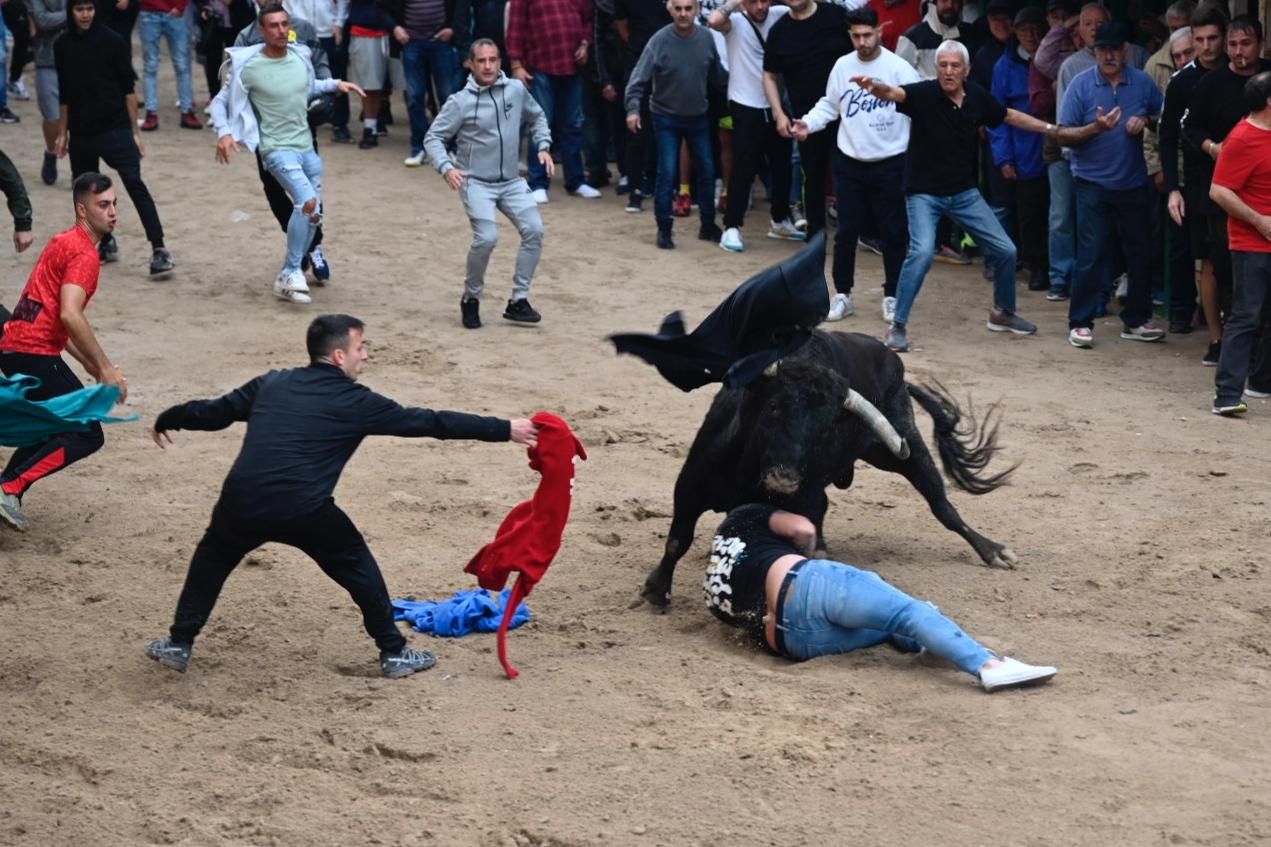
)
(108, 249)
(710, 232)
(522, 312)
(664, 237)
(48, 172)
(170, 654)
(470, 307)
(341, 135)
(7, 116)
(1038, 279)
(405, 663)
(635, 202)
(1180, 327)
(161, 262)
(368, 139)
(1210, 359)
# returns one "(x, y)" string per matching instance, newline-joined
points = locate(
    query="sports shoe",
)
(1011, 673)
(786, 231)
(870, 244)
(896, 339)
(189, 120)
(1146, 331)
(1038, 279)
(415, 159)
(369, 139)
(7, 116)
(585, 191)
(161, 262)
(635, 202)
(1057, 293)
(1255, 394)
(48, 171)
(319, 265)
(405, 663)
(522, 312)
(470, 308)
(681, 205)
(151, 122)
(108, 249)
(11, 512)
(796, 215)
(341, 135)
(889, 309)
(840, 307)
(1212, 355)
(1230, 410)
(1001, 321)
(731, 240)
(1121, 287)
(18, 90)
(168, 653)
(623, 186)
(949, 256)
(710, 232)
(664, 237)
(540, 196)
(1081, 337)
(291, 286)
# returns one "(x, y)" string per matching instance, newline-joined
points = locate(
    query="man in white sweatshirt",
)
(869, 163)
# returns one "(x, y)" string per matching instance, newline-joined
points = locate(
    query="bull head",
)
(869, 414)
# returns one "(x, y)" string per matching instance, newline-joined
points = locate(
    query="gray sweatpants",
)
(513, 199)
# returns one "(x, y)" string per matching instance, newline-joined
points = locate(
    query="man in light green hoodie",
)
(482, 124)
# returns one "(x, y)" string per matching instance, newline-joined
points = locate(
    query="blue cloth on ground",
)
(26, 422)
(467, 611)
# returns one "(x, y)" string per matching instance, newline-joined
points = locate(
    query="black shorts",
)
(1196, 204)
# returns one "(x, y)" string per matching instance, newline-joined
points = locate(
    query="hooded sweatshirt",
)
(484, 125)
(50, 22)
(918, 46)
(94, 77)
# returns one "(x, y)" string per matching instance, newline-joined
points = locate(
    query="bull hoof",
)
(659, 599)
(1002, 558)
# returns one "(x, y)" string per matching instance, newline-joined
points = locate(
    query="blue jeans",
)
(561, 98)
(300, 173)
(1063, 225)
(4, 63)
(668, 132)
(425, 63)
(1101, 211)
(836, 608)
(969, 210)
(156, 25)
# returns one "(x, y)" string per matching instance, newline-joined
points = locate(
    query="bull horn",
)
(868, 412)
(771, 370)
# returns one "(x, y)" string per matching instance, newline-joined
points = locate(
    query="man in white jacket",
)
(275, 81)
(869, 164)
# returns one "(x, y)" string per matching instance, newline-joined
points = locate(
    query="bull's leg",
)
(817, 516)
(689, 505)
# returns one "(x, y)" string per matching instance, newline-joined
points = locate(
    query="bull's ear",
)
(771, 370)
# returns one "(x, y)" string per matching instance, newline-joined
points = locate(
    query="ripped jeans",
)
(299, 172)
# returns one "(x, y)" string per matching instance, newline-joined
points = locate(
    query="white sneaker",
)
(786, 231)
(1011, 673)
(1257, 395)
(840, 307)
(584, 191)
(18, 90)
(540, 196)
(291, 286)
(889, 309)
(731, 240)
(414, 160)
(1081, 337)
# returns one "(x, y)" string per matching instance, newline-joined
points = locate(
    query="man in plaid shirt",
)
(548, 43)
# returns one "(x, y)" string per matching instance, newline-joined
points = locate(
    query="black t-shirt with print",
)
(804, 53)
(743, 550)
(944, 139)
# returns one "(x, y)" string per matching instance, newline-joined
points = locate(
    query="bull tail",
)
(966, 446)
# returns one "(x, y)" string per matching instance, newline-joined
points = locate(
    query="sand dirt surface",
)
(1141, 523)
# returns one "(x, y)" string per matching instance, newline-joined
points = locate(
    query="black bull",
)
(786, 436)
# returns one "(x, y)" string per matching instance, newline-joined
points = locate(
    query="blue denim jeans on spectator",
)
(1124, 214)
(1247, 332)
(300, 173)
(4, 63)
(835, 608)
(669, 132)
(426, 63)
(1063, 225)
(969, 210)
(156, 26)
(561, 98)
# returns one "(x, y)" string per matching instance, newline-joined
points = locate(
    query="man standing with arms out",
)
(99, 119)
(166, 19)
(303, 426)
(49, 319)
(745, 25)
(677, 67)
(1113, 191)
(802, 49)
(275, 81)
(869, 163)
(947, 114)
(1242, 188)
(483, 124)
(548, 44)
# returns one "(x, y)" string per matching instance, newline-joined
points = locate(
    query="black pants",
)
(327, 536)
(27, 465)
(1032, 216)
(16, 21)
(279, 202)
(117, 148)
(215, 40)
(338, 57)
(1179, 267)
(814, 158)
(875, 192)
(755, 139)
(639, 150)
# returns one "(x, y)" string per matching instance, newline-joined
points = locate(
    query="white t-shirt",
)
(870, 129)
(745, 57)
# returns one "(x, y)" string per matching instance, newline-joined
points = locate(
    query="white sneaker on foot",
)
(585, 191)
(540, 196)
(1081, 337)
(786, 231)
(414, 160)
(889, 309)
(840, 307)
(291, 286)
(731, 240)
(1010, 673)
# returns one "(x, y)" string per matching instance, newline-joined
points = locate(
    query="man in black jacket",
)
(303, 426)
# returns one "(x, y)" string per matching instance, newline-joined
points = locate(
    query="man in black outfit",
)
(99, 118)
(303, 426)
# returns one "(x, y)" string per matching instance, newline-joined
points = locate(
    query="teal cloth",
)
(26, 422)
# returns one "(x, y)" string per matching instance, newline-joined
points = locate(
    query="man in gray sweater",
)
(482, 123)
(681, 66)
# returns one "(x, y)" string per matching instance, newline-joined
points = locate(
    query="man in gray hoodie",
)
(482, 123)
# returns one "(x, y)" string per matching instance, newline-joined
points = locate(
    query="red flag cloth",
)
(530, 535)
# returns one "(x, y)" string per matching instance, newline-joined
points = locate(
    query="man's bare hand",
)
(1135, 125)
(113, 376)
(1107, 122)
(1177, 209)
(799, 130)
(160, 436)
(455, 177)
(1159, 179)
(609, 93)
(141, 145)
(1008, 172)
(62, 145)
(783, 124)
(400, 35)
(1263, 226)
(525, 431)
(224, 146)
(444, 34)
(22, 240)
(545, 159)
(580, 55)
(633, 122)
(337, 35)
(519, 72)
(344, 87)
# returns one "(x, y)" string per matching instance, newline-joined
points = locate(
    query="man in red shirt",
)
(48, 319)
(1242, 187)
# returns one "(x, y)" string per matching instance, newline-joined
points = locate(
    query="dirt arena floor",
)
(1140, 520)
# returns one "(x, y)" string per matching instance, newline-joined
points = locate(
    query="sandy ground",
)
(1140, 521)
